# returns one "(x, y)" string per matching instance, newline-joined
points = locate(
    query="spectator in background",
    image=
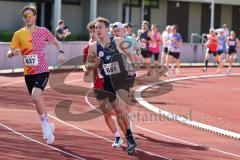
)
(61, 31)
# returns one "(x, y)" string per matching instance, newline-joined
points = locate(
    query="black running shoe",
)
(131, 145)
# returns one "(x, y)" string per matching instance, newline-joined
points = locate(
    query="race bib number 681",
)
(111, 68)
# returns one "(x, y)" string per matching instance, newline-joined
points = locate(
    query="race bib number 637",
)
(30, 60)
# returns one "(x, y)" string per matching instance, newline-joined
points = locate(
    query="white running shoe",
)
(177, 71)
(117, 143)
(235, 57)
(204, 69)
(48, 130)
(229, 70)
(218, 71)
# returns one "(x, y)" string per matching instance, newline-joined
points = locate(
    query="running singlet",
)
(222, 43)
(144, 35)
(212, 43)
(154, 46)
(97, 82)
(174, 39)
(32, 47)
(232, 43)
(114, 65)
(166, 39)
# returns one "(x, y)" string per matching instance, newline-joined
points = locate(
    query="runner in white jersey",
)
(166, 42)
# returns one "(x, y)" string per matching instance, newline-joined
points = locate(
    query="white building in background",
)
(192, 16)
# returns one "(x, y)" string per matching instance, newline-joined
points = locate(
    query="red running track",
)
(213, 101)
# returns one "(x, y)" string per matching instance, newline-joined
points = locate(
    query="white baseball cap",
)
(221, 30)
(212, 30)
(118, 25)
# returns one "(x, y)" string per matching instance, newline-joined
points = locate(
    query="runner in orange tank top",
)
(211, 48)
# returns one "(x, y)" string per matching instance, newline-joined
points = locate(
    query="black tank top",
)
(144, 35)
(112, 62)
(232, 43)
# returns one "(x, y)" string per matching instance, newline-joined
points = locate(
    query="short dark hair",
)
(91, 25)
(32, 8)
(103, 20)
(128, 25)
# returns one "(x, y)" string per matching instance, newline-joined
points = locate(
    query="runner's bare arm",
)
(57, 44)
(13, 52)
(91, 57)
(137, 47)
(160, 41)
(60, 49)
(125, 50)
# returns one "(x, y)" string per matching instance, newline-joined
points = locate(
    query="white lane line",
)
(166, 136)
(93, 107)
(186, 142)
(33, 140)
(95, 135)
(77, 128)
(184, 120)
(163, 135)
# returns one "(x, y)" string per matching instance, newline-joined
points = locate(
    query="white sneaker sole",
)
(51, 138)
(117, 146)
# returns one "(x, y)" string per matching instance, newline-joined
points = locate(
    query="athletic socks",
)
(116, 134)
(128, 133)
(206, 63)
(43, 119)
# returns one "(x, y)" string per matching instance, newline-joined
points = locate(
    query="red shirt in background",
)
(212, 43)
(97, 82)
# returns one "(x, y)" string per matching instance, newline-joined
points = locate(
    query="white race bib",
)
(231, 43)
(111, 68)
(143, 45)
(30, 60)
(153, 45)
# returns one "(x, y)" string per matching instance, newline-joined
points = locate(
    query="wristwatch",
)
(61, 51)
(12, 53)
